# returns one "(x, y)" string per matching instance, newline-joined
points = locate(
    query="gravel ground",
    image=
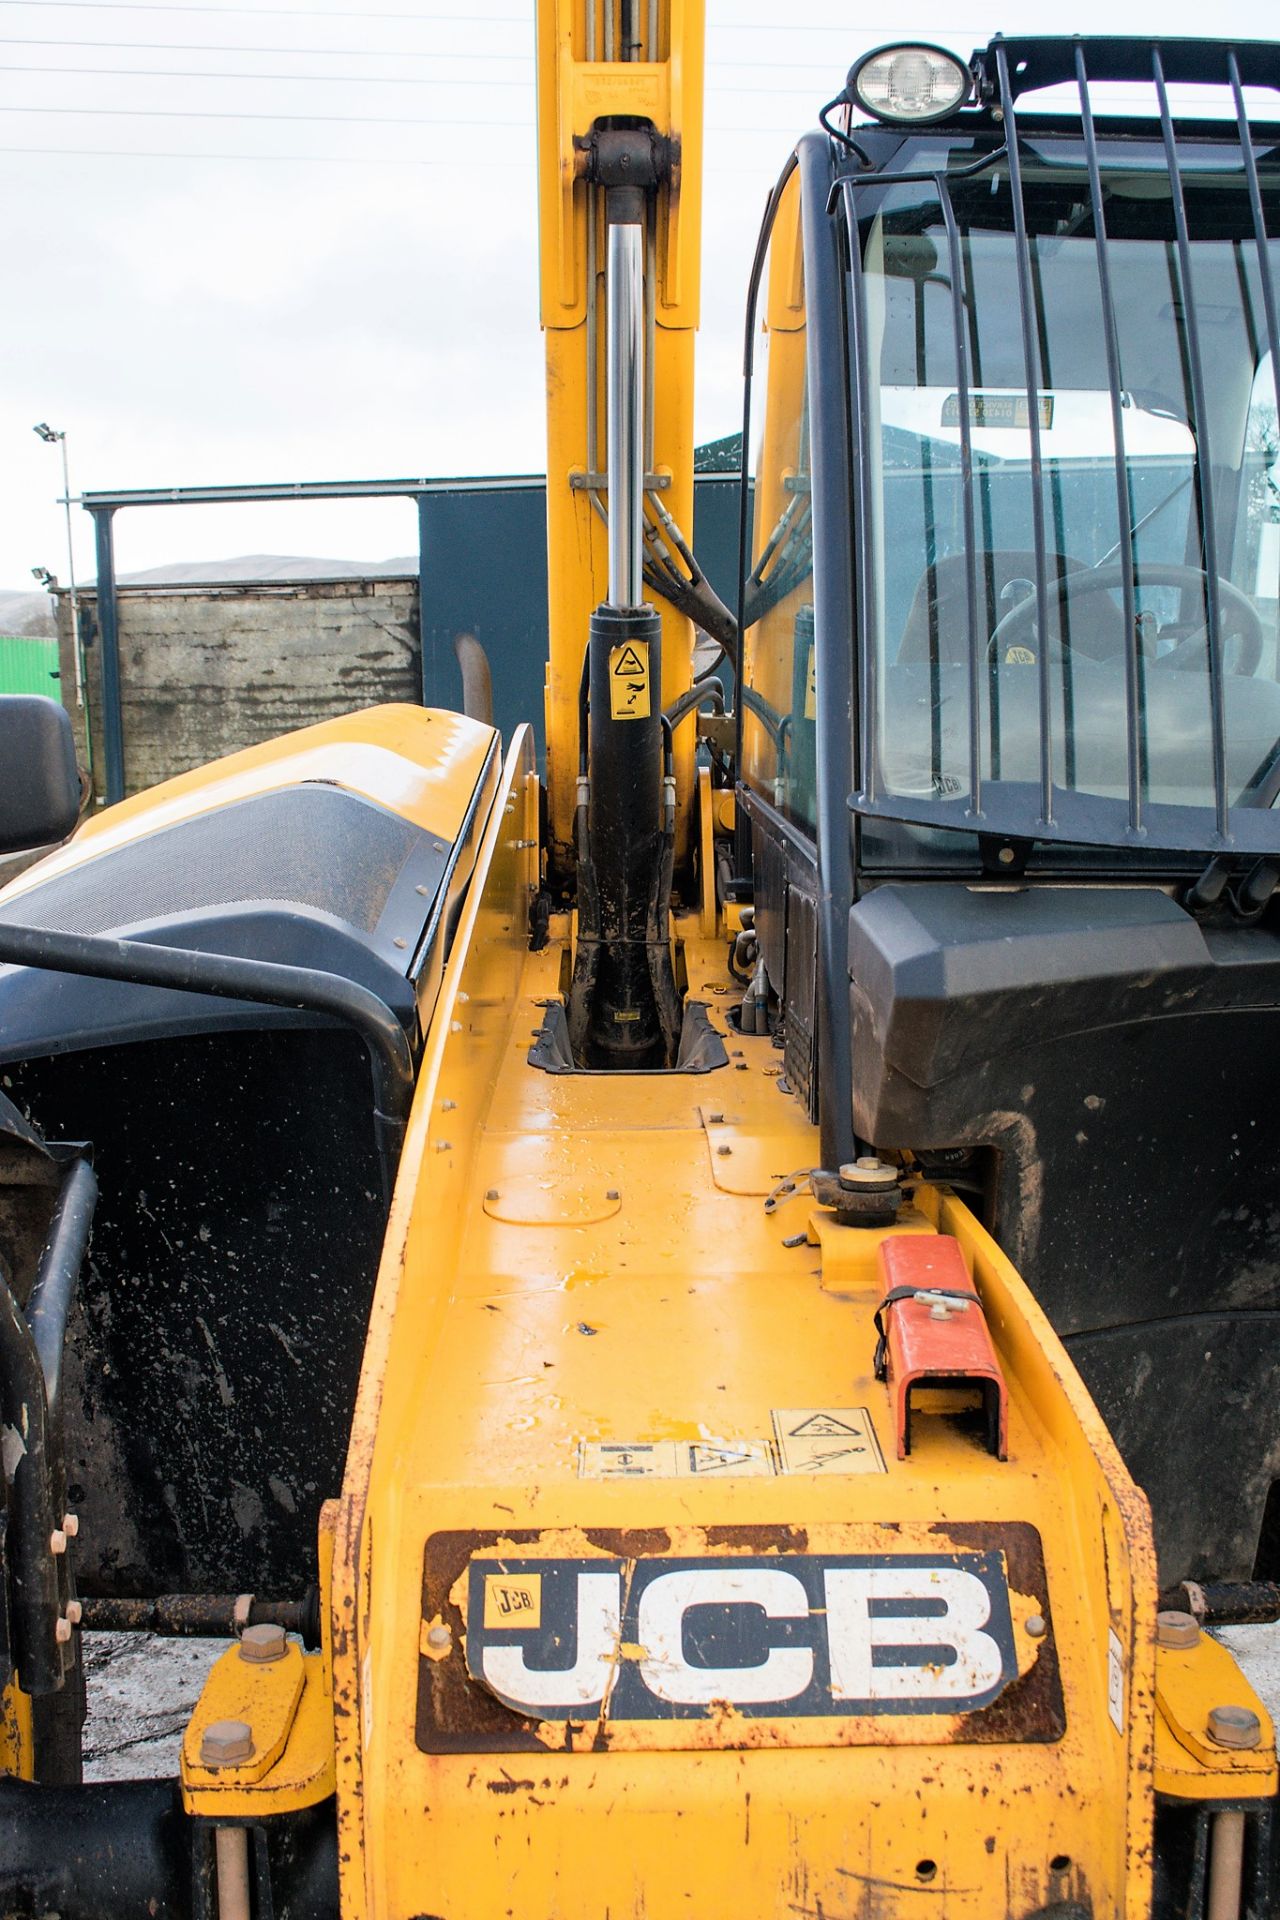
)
(142, 1689)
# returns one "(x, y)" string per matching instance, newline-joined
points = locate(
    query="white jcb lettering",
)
(782, 1675)
(597, 1635)
(853, 1631)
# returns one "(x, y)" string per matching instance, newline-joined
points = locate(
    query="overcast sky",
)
(271, 242)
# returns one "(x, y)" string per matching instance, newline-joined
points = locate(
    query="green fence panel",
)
(29, 664)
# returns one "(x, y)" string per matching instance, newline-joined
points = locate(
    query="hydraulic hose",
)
(59, 1273)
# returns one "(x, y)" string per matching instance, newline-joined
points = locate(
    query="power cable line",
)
(286, 13)
(339, 79)
(332, 119)
(843, 28)
(316, 53)
(296, 159)
(817, 65)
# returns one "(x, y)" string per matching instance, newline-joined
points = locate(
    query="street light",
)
(52, 437)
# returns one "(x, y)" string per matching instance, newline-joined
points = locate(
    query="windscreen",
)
(1070, 498)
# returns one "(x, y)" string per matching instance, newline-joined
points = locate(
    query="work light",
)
(912, 84)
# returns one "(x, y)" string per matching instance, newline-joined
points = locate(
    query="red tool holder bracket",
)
(933, 1334)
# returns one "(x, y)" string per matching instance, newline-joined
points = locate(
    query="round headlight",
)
(910, 84)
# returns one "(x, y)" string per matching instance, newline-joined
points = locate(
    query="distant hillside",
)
(23, 612)
(267, 566)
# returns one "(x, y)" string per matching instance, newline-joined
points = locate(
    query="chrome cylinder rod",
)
(625, 386)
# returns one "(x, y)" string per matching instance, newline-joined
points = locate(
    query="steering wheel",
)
(1239, 615)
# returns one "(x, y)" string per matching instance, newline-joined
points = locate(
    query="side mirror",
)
(39, 779)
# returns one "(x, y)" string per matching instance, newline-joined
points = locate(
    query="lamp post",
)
(52, 436)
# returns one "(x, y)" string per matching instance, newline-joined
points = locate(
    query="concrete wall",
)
(206, 670)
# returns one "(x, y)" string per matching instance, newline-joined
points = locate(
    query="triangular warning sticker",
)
(704, 1459)
(629, 663)
(822, 1425)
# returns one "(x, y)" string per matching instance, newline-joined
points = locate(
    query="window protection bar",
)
(1031, 364)
(1204, 457)
(868, 718)
(1259, 222)
(1041, 810)
(955, 259)
(1134, 691)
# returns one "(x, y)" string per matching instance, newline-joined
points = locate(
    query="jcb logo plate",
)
(673, 1639)
(667, 1642)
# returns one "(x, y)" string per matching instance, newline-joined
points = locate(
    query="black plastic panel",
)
(1120, 1063)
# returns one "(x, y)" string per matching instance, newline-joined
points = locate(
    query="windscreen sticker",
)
(674, 1638)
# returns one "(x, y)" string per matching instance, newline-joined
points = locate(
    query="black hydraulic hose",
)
(59, 1272)
(35, 1600)
(584, 699)
(704, 689)
(303, 989)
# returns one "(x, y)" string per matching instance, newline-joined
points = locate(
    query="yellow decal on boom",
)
(629, 681)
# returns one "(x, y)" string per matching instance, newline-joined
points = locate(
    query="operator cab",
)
(1010, 721)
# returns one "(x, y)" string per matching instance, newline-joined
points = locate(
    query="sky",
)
(264, 242)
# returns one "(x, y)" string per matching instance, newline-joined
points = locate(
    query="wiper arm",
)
(1138, 525)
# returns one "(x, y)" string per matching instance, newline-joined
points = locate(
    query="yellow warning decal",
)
(827, 1440)
(512, 1600)
(629, 681)
(673, 1459)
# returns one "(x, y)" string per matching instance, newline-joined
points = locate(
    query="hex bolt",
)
(716, 1119)
(224, 1743)
(262, 1644)
(1174, 1629)
(612, 1193)
(71, 1525)
(439, 1636)
(58, 1541)
(62, 1630)
(722, 1151)
(1231, 1726)
(1036, 1625)
(491, 1195)
(75, 1613)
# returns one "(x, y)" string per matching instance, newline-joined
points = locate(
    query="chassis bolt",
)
(1036, 1626)
(1234, 1727)
(262, 1644)
(62, 1630)
(613, 1194)
(439, 1636)
(58, 1541)
(71, 1525)
(75, 1613)
(226, 1742)
(1174, 1629)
